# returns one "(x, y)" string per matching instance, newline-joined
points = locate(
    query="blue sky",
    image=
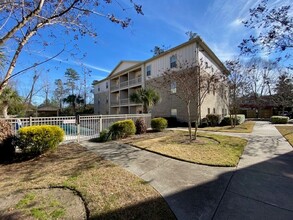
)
(164, 22)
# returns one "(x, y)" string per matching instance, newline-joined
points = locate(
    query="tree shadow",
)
(260, 191)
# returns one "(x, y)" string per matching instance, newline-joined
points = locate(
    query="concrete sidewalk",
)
(262, 186)
(259, 188)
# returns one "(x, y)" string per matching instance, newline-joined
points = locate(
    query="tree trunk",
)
(5, 111)
(189, 120)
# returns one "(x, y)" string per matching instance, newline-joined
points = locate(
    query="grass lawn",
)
(208, 149)
(287, 132)
(246, 127)
(109, 191)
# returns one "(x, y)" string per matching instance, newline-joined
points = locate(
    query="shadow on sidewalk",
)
(260, 191)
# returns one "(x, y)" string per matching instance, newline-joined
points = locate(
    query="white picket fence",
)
(80, 127)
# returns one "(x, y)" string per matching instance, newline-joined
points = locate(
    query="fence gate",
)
(77, 128)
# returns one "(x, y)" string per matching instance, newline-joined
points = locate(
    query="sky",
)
(165, 22)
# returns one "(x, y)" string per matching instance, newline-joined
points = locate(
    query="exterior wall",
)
(101, 97)
(101, 101)
(159, 65)
(123, 81)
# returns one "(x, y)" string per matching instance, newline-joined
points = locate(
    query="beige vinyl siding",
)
(163, 63)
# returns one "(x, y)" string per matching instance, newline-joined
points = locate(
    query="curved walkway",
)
(259, 188)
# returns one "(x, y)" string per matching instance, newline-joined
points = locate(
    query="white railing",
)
(114, 87)
(77, 128)
(124, 84)
(135, 81)
(124, 101)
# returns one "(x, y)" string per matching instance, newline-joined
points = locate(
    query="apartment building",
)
(112, 93)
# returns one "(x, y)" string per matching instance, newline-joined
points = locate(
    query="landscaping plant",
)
(39, 139)
(279, 119)
(159, 124)
(122, 129)
(140, 126)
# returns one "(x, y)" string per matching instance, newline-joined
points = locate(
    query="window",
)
(107, 85)
(214, 110)
(173, 61)
(174, 112)
(209, 111)
(98, 101)
(173, 87)
(107, 100)
(149, 70)
(214, 89)
(98, 89)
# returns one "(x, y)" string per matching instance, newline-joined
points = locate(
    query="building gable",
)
(123, 65)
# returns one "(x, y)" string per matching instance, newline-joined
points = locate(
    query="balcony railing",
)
(114, 87)
(124, 101)
(114, 102)
(125, 84)
(135, 81)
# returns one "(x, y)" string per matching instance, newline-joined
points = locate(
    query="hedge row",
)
(239, 119)
(279, 119)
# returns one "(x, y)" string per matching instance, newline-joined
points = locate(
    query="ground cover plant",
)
(109, 191)
(208, 149)
(246, 127)
(287, 132)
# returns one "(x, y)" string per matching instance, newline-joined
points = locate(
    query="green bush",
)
(39, 139)
(7, 149)
(159, 124)
(279, 119)
(227, 119)
(140, 126)
(122, 129)
(104, 136)
(213, 119)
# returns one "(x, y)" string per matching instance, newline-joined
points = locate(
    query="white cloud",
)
(76, 63)
(237, 22)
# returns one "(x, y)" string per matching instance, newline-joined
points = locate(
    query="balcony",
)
(114, 102)
(124, 101)
(114, 87)
(135, 81)
(124, 84)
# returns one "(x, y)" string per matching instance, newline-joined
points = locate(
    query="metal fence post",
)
(78, 127)
(101, 124)
(31, 120)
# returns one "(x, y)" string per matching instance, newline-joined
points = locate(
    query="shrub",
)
(172, 122)
(39, 139)
(140, 126)
(213, 119)
(7, 149)
(104, 136)
(227, 119)
(204, 123)
(279, 119)
(159, 124)
(122, 129)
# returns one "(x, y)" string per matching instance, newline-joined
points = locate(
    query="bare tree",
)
(193, 82)
(59, 92)
(236, 83)
(22, 20)
(260, 75)
(274, 27)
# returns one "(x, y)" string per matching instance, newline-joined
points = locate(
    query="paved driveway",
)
(261, 187)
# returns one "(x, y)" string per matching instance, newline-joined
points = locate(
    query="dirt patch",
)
(50, 203)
